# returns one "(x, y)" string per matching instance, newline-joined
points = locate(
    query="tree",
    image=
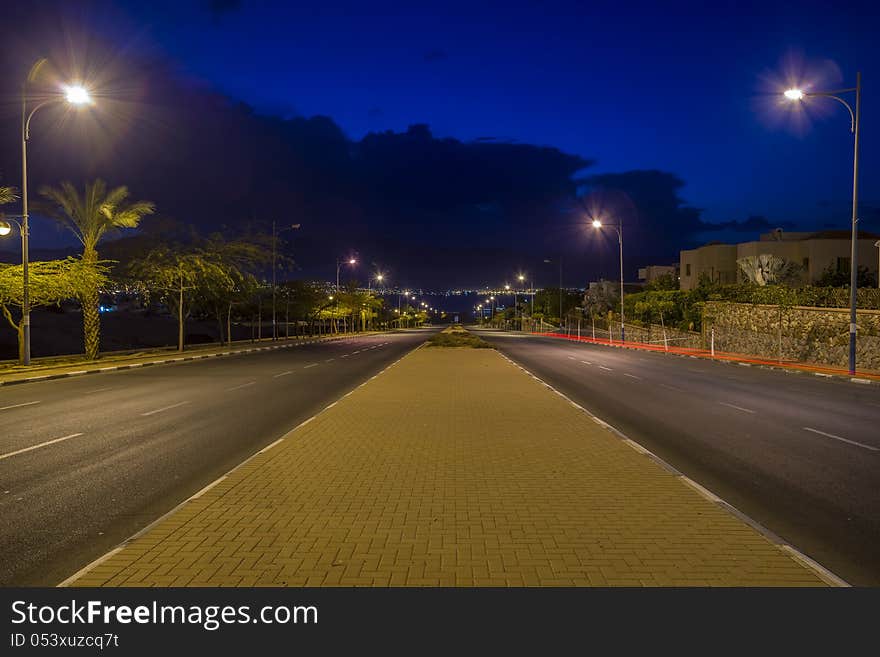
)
(663, 282)
(49, 283)
(767, 269)
(90, 217)
(8, 195)
(839, 277)
(177, 279)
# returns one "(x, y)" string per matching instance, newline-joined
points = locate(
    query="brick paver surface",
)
(453, 467)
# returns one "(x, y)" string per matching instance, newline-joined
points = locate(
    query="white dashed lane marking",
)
(33, 447)
(164, 408)
(239, 387)
(739, 408)
(7, 408)
(844, 440)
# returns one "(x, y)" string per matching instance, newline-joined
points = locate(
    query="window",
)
(843, 265)
(806, 264)
(687, 269)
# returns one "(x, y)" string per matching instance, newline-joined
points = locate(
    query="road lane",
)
(757, 437)
(150, 437)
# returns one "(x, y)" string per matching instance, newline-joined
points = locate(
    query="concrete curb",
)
(821, 571)
(176, 359)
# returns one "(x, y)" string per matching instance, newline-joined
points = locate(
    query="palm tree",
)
(8, 194)
(90, 217)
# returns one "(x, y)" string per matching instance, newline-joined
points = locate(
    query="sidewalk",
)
(60, 367)
(453, 468)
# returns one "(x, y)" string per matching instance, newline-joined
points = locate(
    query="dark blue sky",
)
(669, 112)
(672, 86)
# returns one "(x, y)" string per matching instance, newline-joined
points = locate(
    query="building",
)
(651, 273)
(813, 252)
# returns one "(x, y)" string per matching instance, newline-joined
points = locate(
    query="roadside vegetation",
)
(456, 336)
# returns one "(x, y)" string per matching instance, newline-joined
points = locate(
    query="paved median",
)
(451, 468)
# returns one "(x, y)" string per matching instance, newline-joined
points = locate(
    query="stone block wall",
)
(798, 333)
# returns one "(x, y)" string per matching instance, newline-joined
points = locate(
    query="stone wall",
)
(798, 333)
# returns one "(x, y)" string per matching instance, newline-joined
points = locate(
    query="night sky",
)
(662, 113)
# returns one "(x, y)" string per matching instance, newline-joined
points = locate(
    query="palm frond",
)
(95, 213)
(8, 194)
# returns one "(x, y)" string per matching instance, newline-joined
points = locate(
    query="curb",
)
(68, 582)
(821, 571)
(725, 361)
(177, 359)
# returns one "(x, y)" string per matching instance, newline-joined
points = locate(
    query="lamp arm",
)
(852, 116)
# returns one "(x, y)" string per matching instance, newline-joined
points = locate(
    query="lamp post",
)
(528, 290)
(275, 234)
(399, 316)
(798, 95)
(597, 224)
(75, 95)
(379, 278)
(877, 244)
(339, 263)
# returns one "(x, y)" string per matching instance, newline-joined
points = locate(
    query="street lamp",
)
(75, 95)
(275, 234)
(339, 263)
(522, 278)
(598, 225)
(798, 95)
(379, 279)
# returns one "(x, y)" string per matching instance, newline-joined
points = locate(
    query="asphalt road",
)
(796, 452)
(85, 462)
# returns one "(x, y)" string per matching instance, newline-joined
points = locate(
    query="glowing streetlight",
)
(5, 228)
(797, 95)
(75, 95)
(598, 225)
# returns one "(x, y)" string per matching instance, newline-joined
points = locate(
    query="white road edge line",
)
(164, 408)
(602, 367)
(821, 571)
(33, 447)
(282, 374)
(305, 367)
(632, 376)
(6, 408)
(97, 562)
(739, 408)
(842, 439)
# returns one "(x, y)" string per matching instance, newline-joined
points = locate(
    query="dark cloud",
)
(754, 224)
(437, 210)
(220, 8)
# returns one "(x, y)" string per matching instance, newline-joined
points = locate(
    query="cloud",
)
(219, 8)
(754, 224)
